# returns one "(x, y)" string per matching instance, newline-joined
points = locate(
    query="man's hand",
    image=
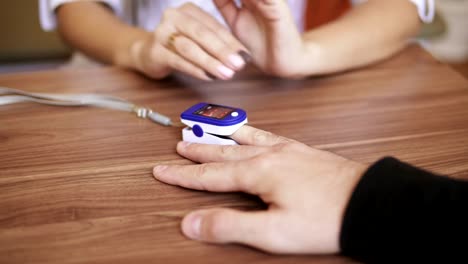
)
(306, 189)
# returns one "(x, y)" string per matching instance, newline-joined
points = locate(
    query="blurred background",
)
(24, 46)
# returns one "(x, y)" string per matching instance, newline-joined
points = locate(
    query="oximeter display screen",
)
(214, 111)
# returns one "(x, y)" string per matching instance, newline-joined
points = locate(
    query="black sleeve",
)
(402, 214)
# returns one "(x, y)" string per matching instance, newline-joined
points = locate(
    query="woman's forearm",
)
(93, 29)
(369, 32)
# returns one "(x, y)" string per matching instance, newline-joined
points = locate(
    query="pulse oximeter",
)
(212, 124)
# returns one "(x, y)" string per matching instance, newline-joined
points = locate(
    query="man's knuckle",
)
(226, 151)
(284, 146)
(199, 176)
(263, 162)
(202, 170)
(260, 136)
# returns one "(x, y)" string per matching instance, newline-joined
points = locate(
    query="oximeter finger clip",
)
(212, 124)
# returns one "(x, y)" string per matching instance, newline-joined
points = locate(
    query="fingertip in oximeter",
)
(212, 124)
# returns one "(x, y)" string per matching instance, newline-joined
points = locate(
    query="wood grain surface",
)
(76, 183)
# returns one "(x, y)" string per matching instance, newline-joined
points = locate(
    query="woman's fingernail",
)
(194, 226)
(159, 169)
(245, 56)
(225, 71)
(210, 76)
(236, 60)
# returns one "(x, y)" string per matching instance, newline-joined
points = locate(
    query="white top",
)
(147, 13)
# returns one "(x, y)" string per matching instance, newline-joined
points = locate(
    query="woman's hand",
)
(190, 41)
(306, 189)
(267, 29)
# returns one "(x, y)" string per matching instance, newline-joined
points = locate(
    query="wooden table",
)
(76, 183)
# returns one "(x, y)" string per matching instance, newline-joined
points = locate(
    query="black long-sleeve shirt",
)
(402, 214)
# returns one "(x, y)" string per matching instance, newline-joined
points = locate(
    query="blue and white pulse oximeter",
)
(212, 124)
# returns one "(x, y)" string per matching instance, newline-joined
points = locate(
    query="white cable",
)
(12, 99)
(11, 96)
(6, 90)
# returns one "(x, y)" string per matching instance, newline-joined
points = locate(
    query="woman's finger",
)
(204, 153)
(208, 40)
(190, 51)
(220, 30)
(177, 62)
(228, 10)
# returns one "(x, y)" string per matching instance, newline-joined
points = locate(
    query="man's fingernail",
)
(245, 56)
(225, 71)
(194, 226)
(237, 61)
(184, 144)
(159, 169)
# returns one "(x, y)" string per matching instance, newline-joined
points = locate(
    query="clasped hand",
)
(190, 40)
